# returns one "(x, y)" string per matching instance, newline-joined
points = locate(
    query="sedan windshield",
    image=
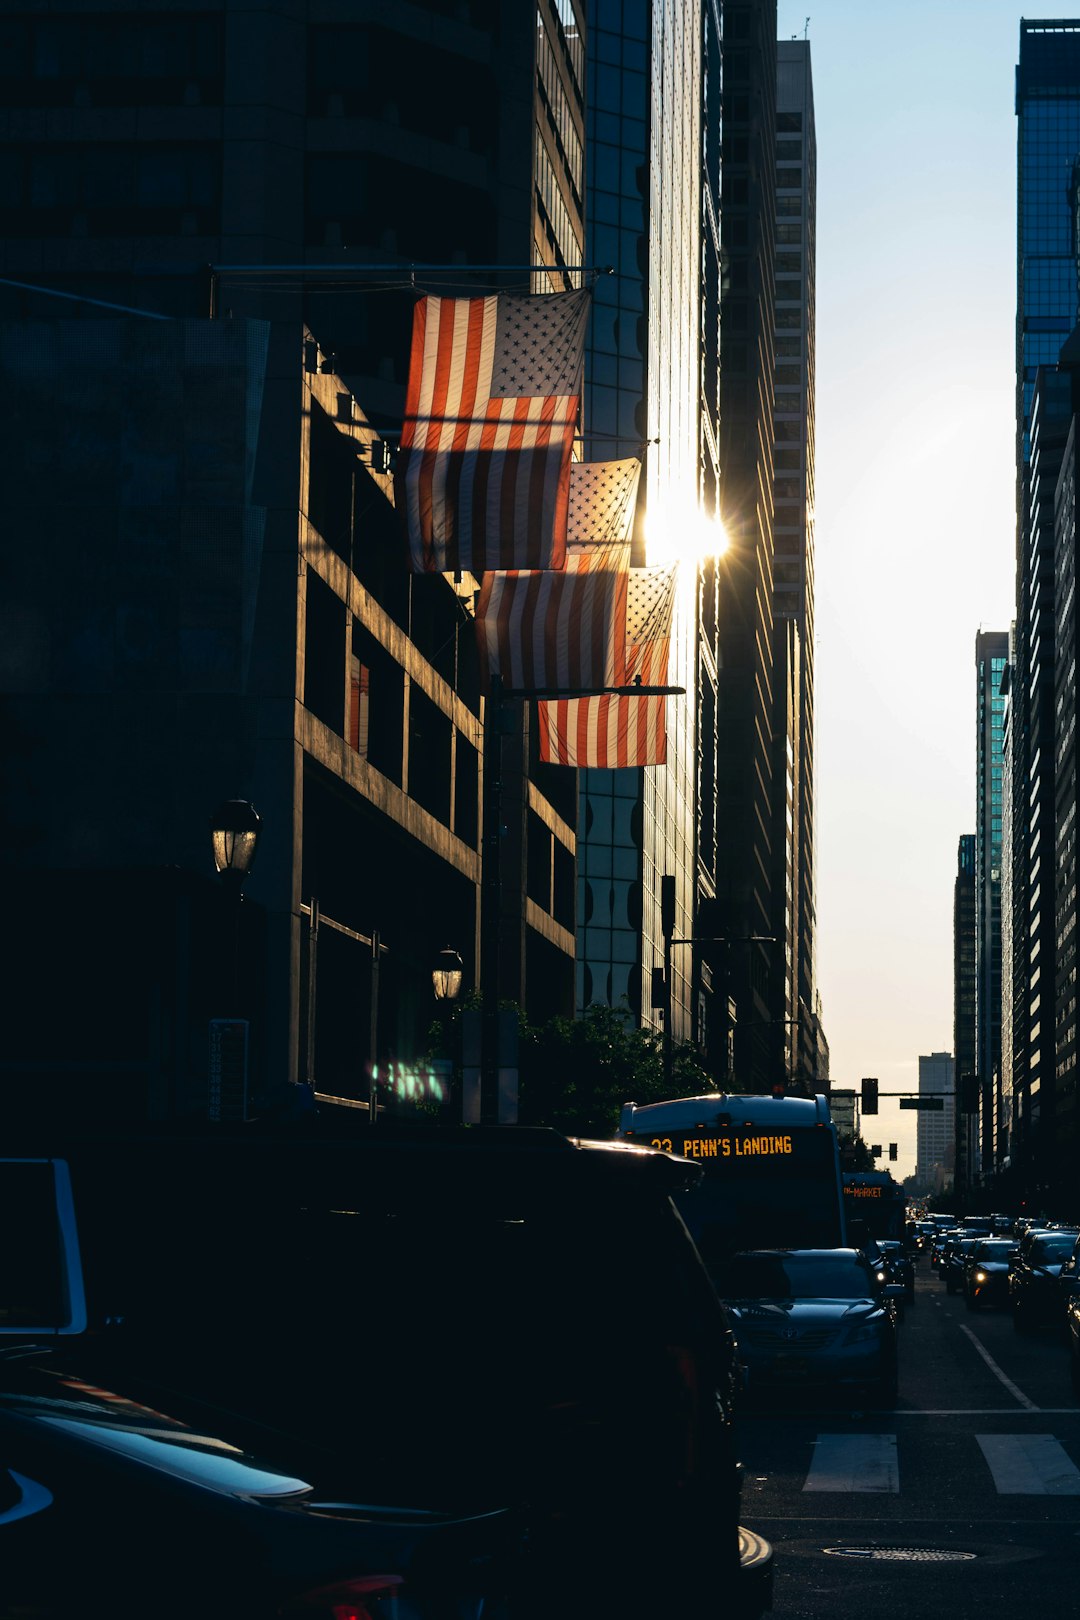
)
(793, 1276)
(1052, 1248)
(995, 1251)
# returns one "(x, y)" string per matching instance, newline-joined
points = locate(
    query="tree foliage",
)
(576, 1073)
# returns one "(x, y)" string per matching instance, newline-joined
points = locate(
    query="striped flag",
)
(483, 476)
(618, 731)
(540, 629)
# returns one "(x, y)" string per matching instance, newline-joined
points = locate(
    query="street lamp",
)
(446, 975)
(234, 834)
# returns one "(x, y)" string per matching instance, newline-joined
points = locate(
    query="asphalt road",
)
(963, 1501)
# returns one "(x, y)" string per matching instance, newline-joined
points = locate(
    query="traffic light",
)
(869, 1096)
(875, 1151)
(894, 1151)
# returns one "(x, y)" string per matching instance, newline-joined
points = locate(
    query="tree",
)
(576, 1073)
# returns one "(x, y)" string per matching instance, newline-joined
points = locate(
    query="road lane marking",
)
(1018, 1394)
(1029, 1465)
(854, 1462)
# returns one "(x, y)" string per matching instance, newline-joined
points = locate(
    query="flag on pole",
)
(540, 629)
(483, 476)
(619, 731)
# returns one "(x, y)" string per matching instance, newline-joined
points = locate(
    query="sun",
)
(682, 533)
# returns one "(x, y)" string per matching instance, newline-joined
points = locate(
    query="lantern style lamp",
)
(446, 975)
(234, 833)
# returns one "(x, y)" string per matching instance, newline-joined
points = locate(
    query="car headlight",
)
(980, 1276)
(881, 1276)
(862, 1331)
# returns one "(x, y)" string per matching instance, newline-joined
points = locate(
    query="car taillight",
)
(364, 1597)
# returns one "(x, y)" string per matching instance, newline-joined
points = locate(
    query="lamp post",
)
(234, 837)
(447, 972)
(702, 939)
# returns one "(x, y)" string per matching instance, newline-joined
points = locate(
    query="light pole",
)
(447, 973)
(234, 838)
(698, 939)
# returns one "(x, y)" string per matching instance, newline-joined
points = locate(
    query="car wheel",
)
(1020, 1320)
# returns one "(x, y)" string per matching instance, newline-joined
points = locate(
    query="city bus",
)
(876, 1206)
(771, 1169)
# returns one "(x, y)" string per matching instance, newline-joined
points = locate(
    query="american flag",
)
(483, 476)
(561, 631)
(618, 731)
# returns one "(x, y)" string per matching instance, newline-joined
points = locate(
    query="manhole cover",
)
(903, 1555)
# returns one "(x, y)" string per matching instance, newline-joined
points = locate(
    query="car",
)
(812, 1318)
(1034, 1289)
(113, 1506)
(899, 1266)
(942, 1237)
(986, 1273)
(954, 1257)
(508, 1332)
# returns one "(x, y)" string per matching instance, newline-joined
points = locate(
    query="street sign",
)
(928, 1105)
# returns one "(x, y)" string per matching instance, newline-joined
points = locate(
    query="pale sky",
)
(916, 303)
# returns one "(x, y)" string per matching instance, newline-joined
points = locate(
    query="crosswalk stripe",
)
(854, 1462)
(1029, 1465)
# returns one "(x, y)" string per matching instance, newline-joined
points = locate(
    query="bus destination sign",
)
(699, 1145)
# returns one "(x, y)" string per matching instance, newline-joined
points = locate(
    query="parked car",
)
(1034, 1289)
(954, 1257)
(900, 1268)
(507, 1332)
(813, 1318)
(986, 1274)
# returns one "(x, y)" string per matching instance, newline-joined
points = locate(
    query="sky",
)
(915, 509)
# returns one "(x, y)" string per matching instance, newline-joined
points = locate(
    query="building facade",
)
(793, 565)
(748, 963)
(935, 1141)
(991, 656)
(312, 159)
(1048, 139)
(964, 1046)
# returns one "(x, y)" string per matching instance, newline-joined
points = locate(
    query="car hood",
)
(1001, 1266)
(801, 1312)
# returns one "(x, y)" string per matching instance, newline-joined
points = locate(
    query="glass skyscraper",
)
(991, 656)
(643, 368)
(1048, 140)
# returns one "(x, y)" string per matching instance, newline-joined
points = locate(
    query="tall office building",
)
(964, 1014)
(292, 148)
(793, 564)
(1048, 140)
(991, 656)
(935, 1141)
(1066, 782)
(744, 880)
(644, 381)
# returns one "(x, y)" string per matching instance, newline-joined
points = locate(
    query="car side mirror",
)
(894, 1291)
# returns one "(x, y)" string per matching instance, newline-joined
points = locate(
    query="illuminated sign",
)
(863, 1192)
(725, 1147)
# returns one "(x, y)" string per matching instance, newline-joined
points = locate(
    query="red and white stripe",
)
(614, 731)
(556, 631)
(482, 483)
